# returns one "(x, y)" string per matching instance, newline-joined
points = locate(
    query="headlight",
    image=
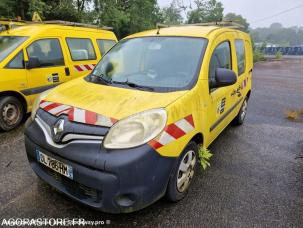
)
(136, 130)
(37, 101)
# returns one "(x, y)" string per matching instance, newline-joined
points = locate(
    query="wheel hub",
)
(10, 114)
(243, 110)
(186, 171)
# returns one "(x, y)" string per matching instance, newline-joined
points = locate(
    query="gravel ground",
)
(256, 177)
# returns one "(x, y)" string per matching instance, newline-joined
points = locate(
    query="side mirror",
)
(33, 62)
(224, 77)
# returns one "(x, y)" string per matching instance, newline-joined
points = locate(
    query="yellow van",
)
(37, 57)
(6, 24)
(129, 133)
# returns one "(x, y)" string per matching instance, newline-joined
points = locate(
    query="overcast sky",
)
(255, 10)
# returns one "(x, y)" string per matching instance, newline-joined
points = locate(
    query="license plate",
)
(54, 164)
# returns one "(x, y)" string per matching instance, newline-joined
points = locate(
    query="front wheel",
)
(183, 173)
(239, 119)
(11, 113)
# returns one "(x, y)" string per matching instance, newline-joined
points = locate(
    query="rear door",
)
(83, 56)
(51, 71)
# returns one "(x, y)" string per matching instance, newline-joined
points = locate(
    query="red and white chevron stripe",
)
(173, 132)
(77, 114)
(84, 67)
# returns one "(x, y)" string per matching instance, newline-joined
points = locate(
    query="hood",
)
(109, 101)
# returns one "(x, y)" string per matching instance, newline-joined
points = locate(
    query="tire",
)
(239, 119)
(11, 113)
(175, 192)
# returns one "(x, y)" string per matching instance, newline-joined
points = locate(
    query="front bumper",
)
(117, 181)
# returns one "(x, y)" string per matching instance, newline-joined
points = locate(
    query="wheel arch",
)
(198, 138)
(17, 95)
(248, 94)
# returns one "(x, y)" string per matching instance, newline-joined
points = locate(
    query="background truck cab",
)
(38, 57)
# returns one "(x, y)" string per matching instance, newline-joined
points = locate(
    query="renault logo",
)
(58, 129)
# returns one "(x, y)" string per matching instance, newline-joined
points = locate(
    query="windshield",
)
(8, 44)
(157, 63)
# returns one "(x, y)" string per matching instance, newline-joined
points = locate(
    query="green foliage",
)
(206, 11)
(258, 55)
(204, 155)
(277, 34)
(279, 55)
(8, 8)
(171, 15)
(127, 16)
(37, 6)
(71, 10)
(238, 19)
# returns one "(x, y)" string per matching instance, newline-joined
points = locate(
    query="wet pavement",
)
(255, 178)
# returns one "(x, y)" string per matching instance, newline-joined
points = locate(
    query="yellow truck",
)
(39, 56)
(129, 133)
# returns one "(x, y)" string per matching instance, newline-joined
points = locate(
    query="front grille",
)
(78, 190)
(71, 127)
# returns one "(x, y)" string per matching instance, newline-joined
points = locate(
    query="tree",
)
(171, 15)
(238, 19)
(206, 11)
(127, 16)
(277, 34)
(70, 10)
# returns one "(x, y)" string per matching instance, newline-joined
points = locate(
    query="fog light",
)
(125, 200)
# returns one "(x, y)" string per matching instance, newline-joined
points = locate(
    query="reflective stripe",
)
(165, 138)
(79, 115)
(184, 125)
(59, 109)
(43, 104)
(84, 67)
(173, 132)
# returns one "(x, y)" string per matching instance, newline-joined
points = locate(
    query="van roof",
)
(186, 30)
(36, 29)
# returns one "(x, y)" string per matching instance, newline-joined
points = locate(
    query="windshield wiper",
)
(133, 85)
(99, 78)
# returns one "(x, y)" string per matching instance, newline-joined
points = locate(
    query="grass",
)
(294, 115)
(279, 55)
(204, 155)
(258, 56)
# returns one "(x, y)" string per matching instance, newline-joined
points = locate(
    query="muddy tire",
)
(11, 113)
(183, 173)
(239, 119)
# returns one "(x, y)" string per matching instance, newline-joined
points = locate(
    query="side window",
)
(81, 49)
(17, 62)
(48, 51)
(105, 45)
(220, 58)
(240, 49)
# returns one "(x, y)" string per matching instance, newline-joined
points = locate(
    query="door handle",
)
(67, 72)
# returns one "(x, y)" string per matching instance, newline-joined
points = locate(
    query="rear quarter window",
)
(81, 49)
(241, 57)
(105, 45)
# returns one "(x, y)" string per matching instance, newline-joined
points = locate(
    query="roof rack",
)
(69, 23)
(228, 24)
(11, 20)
